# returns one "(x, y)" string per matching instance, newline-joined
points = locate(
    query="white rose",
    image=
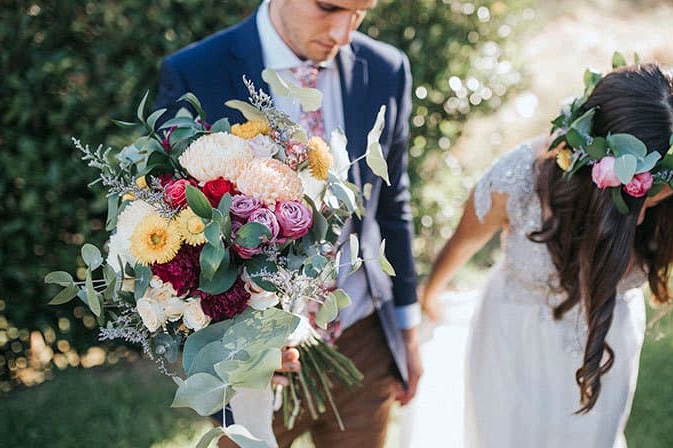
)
(193, 316)
(262, 300)
(174, 307)
(160, 290)
(151, 313)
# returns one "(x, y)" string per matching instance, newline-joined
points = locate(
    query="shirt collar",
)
(275, 52)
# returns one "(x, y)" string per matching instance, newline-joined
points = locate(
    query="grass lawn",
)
(127, 406)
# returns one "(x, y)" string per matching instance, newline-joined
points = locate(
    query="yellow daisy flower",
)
(251, 129)
(319, 158)
(191, 227)
(155, 240)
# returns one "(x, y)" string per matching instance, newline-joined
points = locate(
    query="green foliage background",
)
(68, 68)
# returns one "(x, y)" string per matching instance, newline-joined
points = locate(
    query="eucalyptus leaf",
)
(648, 162)
(91, 295)
(583, 125)
(198, 202)
(374, 153)
(342, 298)
(91, 256)
(250, 112)
(309, 98)
(625, 168)
(622, 144)
(259, 267)
(60, 278)
(598, 148)
(328, 312)
(143, 275)
(202, 392)
(354, 244)
(112, 212)
(253, 373)
(243, 438)
(345, 195)
(574, 138)
(211, 436)
(252, 234)
(68, 293)
(320, 224)
(385, 264)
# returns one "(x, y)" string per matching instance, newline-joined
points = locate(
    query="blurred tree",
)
(69, 67)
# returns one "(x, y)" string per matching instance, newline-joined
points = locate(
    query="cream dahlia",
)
(216, 155)
(270, 180)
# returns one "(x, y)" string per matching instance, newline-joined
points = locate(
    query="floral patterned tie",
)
(312, 122)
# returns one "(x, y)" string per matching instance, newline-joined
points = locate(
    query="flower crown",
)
(619, 162)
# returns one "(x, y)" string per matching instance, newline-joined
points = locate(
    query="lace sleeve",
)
(511, 174)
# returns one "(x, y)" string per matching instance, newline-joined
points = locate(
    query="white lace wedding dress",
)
(520, 368)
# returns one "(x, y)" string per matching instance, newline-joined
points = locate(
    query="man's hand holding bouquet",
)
(224, 248)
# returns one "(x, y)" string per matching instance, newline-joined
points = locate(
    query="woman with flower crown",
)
(585, 214)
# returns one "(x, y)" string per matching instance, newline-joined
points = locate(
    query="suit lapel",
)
(248, 52)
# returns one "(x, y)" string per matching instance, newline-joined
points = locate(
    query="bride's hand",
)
(290, 363)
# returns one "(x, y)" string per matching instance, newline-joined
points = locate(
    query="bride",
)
(554, 345)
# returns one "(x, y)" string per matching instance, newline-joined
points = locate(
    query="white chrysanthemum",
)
(216, 155)
(120, 241)
(270, 180)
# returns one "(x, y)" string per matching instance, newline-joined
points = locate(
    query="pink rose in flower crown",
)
(639, 185)
(216, 188)
(294, 218)
(242, 206)
(603, 173)
(175, 192)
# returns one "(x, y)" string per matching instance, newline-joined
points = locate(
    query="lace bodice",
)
(529, 273)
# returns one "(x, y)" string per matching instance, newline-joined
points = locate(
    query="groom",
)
(356, 75)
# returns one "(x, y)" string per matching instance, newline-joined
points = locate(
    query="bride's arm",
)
(470, 236)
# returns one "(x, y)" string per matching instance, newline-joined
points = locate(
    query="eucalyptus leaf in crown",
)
(224, 247)
(619, 162)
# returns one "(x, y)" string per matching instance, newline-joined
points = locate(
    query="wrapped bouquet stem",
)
(224, 242)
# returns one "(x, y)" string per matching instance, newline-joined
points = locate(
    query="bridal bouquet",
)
(224, 248)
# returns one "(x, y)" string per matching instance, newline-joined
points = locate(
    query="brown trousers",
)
(365, 411)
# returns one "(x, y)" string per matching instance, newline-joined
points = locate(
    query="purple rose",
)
(639, 185)
(603, 173)
(294, 218)
(242, 206)
(265, 216)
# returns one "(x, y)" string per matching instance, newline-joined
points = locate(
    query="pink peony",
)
(242, 206)
(175, 192)
(639, 185)
(603, 173)
(294, 218)
(226, 305)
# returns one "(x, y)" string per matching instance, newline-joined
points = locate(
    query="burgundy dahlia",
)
(226, 305)
(182, 271)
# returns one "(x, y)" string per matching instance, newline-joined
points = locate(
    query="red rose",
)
(216, 188)
(175, 192)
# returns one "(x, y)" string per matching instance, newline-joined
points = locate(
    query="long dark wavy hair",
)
(591, 243)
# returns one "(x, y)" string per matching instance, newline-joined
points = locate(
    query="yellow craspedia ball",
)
(251, 129)
(320, 159)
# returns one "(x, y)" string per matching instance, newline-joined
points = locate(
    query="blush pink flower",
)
(640, 184)
(294, 218)
(603, 173)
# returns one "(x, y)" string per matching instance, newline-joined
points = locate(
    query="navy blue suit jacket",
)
(372, 74)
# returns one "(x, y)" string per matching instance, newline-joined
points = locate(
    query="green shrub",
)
(70, 67)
